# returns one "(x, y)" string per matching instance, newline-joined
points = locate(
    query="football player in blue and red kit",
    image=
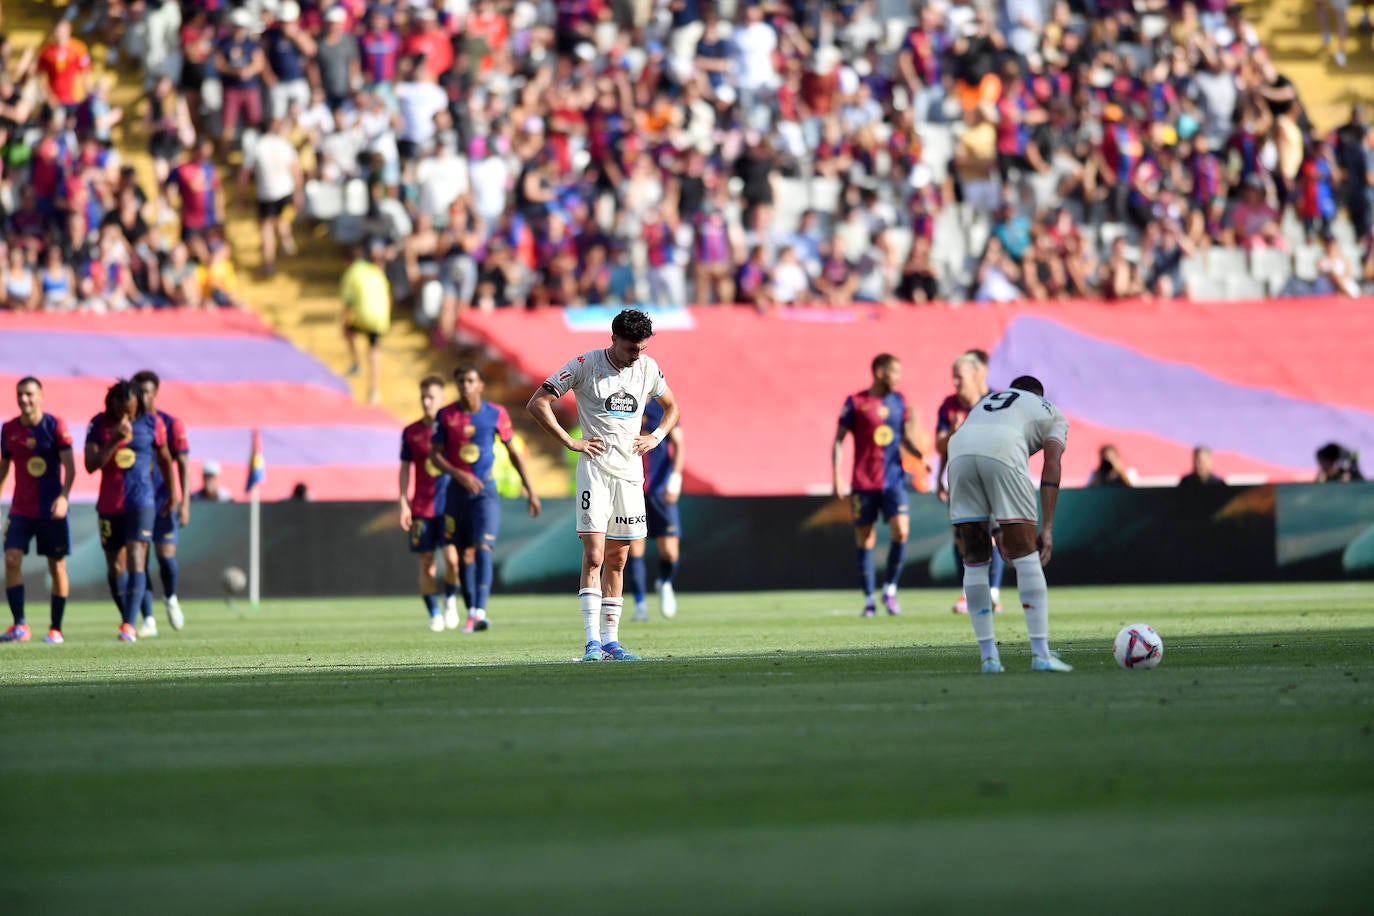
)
(422, 509)
(165, 527)
(465, 435)
(662, 489)
(39, 446)
(970, 387)
(122, 443)
(882, 426)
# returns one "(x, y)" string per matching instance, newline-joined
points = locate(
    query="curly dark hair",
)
(147, 375)
(632, 325)
(118, 395)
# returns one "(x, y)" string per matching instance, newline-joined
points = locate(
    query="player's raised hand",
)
(595, 446)
(533, 499)
(59, 507)
(1044, 542)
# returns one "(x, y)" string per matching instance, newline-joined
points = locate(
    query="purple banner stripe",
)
(1115, 386)
(320, 446)
(176, 358)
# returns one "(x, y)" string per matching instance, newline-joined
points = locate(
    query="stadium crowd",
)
(773, 153)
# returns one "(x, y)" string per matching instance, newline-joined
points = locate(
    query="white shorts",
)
(608, 505)
(984, 490)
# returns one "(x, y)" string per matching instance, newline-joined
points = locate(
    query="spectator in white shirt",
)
(419, 98)
(276, 169)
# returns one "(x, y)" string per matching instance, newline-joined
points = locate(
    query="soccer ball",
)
(235, 581)
(1138, 646)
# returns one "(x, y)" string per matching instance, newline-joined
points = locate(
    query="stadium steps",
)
(301, 300)
(1291, 32)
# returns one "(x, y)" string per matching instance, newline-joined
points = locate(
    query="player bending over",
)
(881, 425)
(612, 386)
(662, 488)
(165, 527)
(419, 509)
(122, 443)
(464, 447)
(39, 446)
(989, 480)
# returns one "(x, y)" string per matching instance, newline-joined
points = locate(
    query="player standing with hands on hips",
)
(612, 387)
(989, 480)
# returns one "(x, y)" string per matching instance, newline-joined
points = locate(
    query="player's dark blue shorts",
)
(134, 524)
(662, 516)
(470, 521)
(869, 503)
(165, 528)
(426, 534)
(53, 535)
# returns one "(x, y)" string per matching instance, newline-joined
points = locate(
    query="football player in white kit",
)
(989, 480)
(612, 386)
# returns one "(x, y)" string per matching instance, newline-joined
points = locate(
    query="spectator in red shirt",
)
(64, 62)
(485, 26)
(429, 41)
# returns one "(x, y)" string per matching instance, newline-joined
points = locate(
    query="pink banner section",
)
(761, 394)
(162, 322)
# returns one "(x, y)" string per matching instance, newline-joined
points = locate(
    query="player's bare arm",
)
(518, 462)
(673, 491)
(164, 460)
(61, 503)
(909, 434)
(465, 479)
(540, 407)
(1050, 475)
(97, 455)
(4, 471)
(184, 486)
(404, 485)
(647, 443)
(836, 455)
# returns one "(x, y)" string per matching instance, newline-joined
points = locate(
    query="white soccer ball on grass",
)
(1138, 646)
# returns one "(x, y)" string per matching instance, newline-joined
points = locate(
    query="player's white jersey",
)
(610, 403)
(1009, 426)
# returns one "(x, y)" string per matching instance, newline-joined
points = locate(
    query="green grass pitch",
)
(776, 754)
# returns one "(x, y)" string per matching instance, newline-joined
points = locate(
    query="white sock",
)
(890, 588)
(610, 619)
(1034, 593)
(479, 614)
(980, 608)
(590, 599)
